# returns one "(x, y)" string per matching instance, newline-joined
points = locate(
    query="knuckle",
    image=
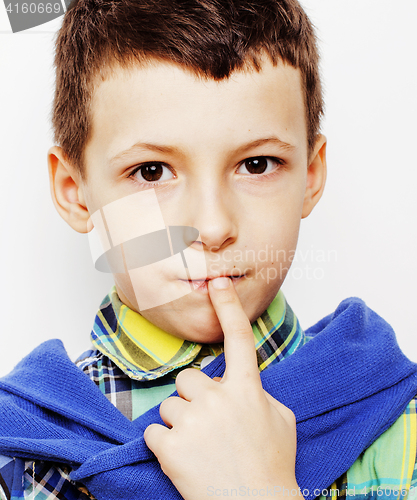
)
(164, 405)
(167, 411)
(214, 398)
(184, 375)
(150, 434)
(189, 420)
(163, 446)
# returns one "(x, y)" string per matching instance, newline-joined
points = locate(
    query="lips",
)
(202, 284)
(214, 276)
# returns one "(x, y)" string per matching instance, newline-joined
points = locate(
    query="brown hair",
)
(212, 38)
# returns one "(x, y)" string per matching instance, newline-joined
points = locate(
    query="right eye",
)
(152, 173)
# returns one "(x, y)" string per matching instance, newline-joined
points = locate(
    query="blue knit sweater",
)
(346, 386)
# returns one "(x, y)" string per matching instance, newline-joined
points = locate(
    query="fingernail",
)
(221, 283)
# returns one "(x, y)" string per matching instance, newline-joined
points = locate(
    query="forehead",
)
(162, 103)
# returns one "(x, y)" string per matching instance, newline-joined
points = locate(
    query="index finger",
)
(239, 342)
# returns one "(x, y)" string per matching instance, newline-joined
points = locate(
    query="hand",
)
(229, 434)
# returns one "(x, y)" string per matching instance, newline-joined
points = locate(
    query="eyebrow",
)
(159, 148)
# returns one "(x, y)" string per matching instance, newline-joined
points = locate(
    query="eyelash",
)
(279, 162)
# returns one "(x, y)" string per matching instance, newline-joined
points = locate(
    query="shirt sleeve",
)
(6, 476)
(38, 480)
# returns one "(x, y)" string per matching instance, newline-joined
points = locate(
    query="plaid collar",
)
(145, 352)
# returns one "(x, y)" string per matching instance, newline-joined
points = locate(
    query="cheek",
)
(275, 247)
(275, 213)
(277, 237)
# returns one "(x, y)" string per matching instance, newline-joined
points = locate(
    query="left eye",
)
(258, 165)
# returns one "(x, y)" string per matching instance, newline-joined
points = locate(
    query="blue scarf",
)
(346, 386)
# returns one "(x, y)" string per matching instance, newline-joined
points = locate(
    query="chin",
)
(209, 338)
(209, 332)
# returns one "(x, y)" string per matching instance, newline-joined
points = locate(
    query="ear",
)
(67, 190)
(316, 176)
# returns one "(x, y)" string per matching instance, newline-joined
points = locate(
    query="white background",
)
(364, 228)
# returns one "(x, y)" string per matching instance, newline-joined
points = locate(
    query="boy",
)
(229, 144)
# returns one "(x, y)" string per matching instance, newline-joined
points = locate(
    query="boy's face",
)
(228, 158)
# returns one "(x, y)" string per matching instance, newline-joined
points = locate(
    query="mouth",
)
(201, 285)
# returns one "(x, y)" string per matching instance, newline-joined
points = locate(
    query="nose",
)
(212, 210)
